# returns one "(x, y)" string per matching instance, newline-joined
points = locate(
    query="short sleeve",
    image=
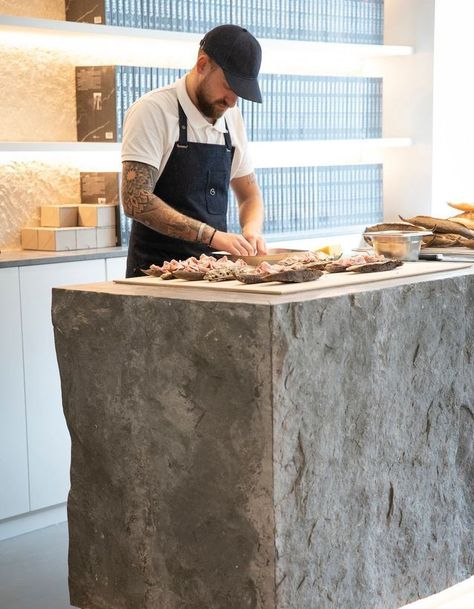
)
(145, 133)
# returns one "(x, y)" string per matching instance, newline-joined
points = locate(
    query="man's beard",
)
(210, 108)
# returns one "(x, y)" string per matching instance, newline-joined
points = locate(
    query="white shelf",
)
(323, 152)
(45, 147)
(99, 44)
(85, 156)
(101, 156)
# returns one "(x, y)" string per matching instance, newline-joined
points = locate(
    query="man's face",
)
(213, 94)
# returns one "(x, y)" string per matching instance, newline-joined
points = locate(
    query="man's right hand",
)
(233, 243)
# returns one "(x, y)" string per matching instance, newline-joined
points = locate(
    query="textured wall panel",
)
(38, 101)
(44, 9)
(37, 104)
(26, 186)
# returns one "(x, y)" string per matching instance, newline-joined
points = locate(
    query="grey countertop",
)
(12, 258)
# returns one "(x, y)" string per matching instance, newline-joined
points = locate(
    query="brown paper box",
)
(29, 238)
(96, 215)
(56, 239)
(96, 109)
(100, 187)
(89, 11)
(58, 215)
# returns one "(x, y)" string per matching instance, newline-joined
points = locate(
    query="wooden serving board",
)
(450, 251)
(330, 280)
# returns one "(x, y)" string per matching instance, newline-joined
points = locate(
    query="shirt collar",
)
(196, 119)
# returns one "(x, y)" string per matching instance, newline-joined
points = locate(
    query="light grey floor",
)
(33, 570)
(33, 575)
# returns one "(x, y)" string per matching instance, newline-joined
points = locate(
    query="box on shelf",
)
(91, 214)
(90, 224)
(29, 238)
(56, 239)
(100, 187)
(59, 239)
(89, 11)
(96, 110)
(86, 238)
(106, 236)
(58, 215)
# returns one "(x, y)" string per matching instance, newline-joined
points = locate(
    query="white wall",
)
(453, 121)
(408, 108)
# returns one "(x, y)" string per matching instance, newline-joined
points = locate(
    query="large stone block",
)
(310, 455)
(373, 446)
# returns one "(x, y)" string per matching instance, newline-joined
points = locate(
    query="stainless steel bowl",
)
(402, 245)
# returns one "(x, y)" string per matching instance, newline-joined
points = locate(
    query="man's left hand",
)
(257, 241)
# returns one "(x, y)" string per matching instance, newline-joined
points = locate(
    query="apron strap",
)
(228, 141)
(183, 128)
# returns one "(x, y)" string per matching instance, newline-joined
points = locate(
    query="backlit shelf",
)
(85, 43)
(106, 157)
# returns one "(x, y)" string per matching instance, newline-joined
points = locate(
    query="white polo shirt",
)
(151, 126)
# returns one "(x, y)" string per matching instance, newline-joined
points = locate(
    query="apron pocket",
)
(216, 192)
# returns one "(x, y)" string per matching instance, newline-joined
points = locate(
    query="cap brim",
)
(246, 88)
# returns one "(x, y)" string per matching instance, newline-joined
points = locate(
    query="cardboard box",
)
(97, 215)
(89, 11)
(100, 187)
(86, 238)
(106, 237)
(29, 238)
(96, 105)
(56, 239)
(58, 215)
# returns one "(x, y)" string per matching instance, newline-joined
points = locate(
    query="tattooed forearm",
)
(139, 202)
(138, 182)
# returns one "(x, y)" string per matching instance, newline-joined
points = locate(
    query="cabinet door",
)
(115, 268)
(13, 453)
(48, 438)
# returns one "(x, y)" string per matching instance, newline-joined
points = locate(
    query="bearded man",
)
(183, 145)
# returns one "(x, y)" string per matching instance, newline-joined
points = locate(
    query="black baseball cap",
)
(239, 54)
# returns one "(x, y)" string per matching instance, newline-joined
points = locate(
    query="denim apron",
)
(195, 182)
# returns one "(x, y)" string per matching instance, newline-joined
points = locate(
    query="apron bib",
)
(195, 182)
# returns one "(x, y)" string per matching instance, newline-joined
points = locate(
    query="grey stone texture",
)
(311, 455)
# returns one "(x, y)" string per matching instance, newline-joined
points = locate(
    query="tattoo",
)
(139, 203)
(138, 182)
(251, 178)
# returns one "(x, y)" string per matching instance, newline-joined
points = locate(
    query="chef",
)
(182, 146)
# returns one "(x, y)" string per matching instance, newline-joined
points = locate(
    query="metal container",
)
(402, 245)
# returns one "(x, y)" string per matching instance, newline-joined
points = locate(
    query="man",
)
(182, 146)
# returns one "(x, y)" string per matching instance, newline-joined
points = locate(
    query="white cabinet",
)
(13, 449)
(115, 268)
(48, 438)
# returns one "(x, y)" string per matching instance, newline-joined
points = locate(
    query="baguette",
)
(462, 206)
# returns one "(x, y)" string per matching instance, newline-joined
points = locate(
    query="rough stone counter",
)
(264, 454)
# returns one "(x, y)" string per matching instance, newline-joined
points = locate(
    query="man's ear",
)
(203, 63)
